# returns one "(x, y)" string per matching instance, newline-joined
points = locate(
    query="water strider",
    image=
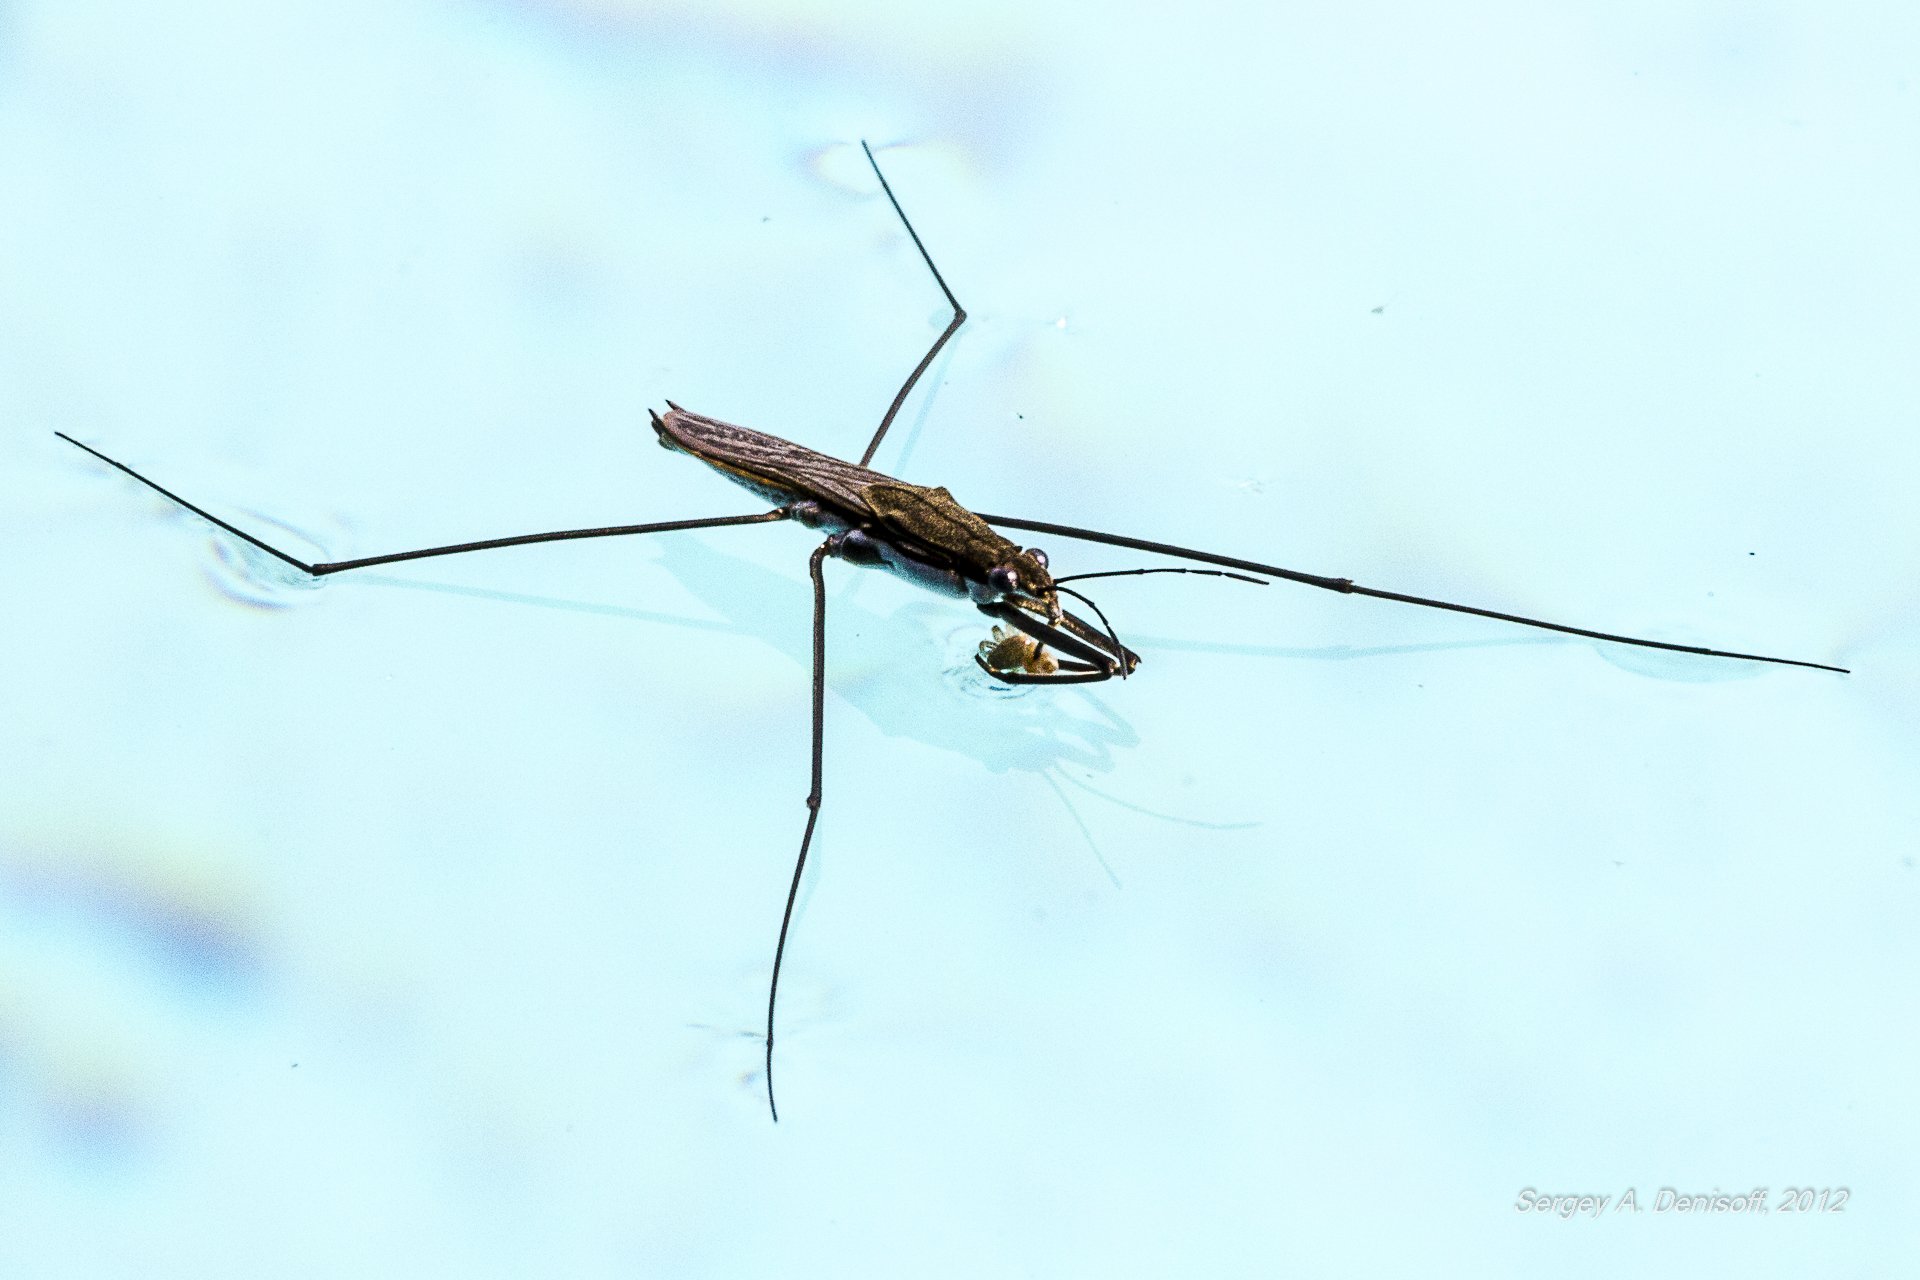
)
(925, 536)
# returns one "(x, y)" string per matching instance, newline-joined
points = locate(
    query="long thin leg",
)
(1347, 586)
(338, 566)
(813, 794)
(953, 325)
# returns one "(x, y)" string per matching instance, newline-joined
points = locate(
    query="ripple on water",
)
(246, 575)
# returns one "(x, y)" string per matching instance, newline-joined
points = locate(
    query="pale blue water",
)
(418, 923)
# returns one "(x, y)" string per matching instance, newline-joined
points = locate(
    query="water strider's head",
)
(1096, 654)
(1023, 578)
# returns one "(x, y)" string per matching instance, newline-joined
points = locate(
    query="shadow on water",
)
(888, 667)
(910, 672)
(883, 664)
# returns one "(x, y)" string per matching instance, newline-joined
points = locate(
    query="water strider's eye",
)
(1003, 579)
(1039, 556)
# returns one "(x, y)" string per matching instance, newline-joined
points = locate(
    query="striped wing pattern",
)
(778, 463)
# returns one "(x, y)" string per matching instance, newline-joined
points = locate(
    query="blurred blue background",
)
(418, 923)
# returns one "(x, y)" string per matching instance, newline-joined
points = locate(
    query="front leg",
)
(323, 568)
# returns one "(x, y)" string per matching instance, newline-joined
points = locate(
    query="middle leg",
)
(953, 325)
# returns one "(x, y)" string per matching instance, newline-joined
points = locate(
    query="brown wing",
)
(777, 464)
